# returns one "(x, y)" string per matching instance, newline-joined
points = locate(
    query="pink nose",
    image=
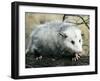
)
(80, 52)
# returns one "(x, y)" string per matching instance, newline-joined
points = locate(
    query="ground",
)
(49, 61)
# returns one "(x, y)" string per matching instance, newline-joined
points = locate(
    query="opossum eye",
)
(79, 40)
(63, 35)
(73, 42)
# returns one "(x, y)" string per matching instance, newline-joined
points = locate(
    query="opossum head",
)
(72, 40)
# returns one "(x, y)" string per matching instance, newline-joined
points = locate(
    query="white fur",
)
(75, 35)
(47, 40)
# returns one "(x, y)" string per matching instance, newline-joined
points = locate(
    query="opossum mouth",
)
(76, 53)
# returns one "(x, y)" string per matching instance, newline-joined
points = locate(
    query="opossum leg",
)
(29, 46)
(37, 55)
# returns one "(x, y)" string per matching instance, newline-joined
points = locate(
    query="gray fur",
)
(46, 39)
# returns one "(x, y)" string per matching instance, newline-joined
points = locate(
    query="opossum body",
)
(56, 38)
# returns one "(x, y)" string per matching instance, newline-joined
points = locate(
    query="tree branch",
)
(84, 21)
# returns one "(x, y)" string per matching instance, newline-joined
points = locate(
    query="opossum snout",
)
(79, 50)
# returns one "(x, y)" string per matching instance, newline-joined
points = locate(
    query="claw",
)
(77, 56)
(39, 58)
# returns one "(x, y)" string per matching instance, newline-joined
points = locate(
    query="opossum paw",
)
(53, 59)
(76, 58)
(39, 58)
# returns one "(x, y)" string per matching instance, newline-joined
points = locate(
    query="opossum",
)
(56, 38)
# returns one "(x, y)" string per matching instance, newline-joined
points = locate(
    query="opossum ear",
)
(63, 34)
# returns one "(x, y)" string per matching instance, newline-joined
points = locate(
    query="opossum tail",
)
(29, 45)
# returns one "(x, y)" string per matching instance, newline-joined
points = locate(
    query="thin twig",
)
(84, 21)
(64, 17)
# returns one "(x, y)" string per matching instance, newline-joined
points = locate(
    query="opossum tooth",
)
(76, 57)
